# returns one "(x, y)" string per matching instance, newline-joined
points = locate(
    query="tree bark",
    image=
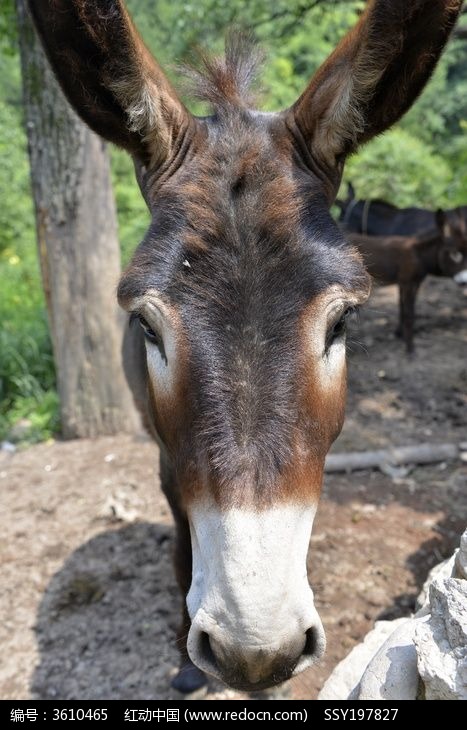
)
(78, 250)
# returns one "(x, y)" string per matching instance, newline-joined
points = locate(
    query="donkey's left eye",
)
(337, 331)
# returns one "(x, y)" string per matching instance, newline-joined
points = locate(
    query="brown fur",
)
(407, 260)
(242, 249)
(226, 82)
(374, 75)
(122, 93)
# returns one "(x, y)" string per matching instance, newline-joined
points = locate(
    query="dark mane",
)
(225, 82)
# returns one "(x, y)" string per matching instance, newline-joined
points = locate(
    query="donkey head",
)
(452, 255)
(242, 288)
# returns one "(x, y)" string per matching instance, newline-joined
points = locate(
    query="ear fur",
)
(109, 76)
(374, 75)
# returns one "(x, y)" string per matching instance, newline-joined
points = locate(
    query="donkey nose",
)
(256, 666)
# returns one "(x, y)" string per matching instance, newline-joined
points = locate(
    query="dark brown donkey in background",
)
(239, 296)
(375, 217)
(408, 260)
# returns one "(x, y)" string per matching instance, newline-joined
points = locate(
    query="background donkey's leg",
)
(408, 294)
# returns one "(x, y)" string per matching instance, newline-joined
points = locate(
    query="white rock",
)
(427, 652)
(461, 558)
(441, 642)
(453, 567)
(392, 673)
(345, 677)
(446, 569)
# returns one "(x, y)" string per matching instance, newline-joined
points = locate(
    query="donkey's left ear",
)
(373, 76)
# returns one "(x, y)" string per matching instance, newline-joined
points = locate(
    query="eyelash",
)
(149, 334)
(339, 327)
(148, 331)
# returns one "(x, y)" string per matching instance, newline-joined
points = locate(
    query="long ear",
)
(373, 76)
(109, 76)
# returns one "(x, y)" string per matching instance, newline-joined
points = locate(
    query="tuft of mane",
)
(225, 82)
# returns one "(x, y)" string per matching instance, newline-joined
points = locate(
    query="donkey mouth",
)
(255, 668)
(240, 684)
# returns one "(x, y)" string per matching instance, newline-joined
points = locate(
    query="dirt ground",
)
(88, 600)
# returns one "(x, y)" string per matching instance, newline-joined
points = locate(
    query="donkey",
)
(239, 296)
(408, 260)
(379, 218)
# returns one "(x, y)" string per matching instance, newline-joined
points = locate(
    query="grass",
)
(28, 399)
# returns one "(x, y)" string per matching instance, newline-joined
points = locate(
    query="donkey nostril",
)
(206, 650)
(311, 643)
(203, 651)
(313, 650)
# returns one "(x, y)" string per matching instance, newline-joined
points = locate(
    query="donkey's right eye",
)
(153, 337)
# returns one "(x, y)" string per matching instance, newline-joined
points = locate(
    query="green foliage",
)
(399, 168)
(458, 159)
(27, 374)
(7, 28)
(422, 161)
(16, 213)
(133, 216)
(296, 34)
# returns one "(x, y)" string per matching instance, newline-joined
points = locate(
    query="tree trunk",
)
(78, 250)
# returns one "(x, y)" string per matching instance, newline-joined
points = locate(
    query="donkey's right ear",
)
(110, 77)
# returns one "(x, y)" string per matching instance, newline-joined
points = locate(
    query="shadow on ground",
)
(107, 621)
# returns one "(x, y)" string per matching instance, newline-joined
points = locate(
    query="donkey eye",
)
(153, 337)
(148, 332)
(337, 331)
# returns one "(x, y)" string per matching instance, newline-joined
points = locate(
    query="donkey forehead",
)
(248, 163)
(243, 215)
(239, 272)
